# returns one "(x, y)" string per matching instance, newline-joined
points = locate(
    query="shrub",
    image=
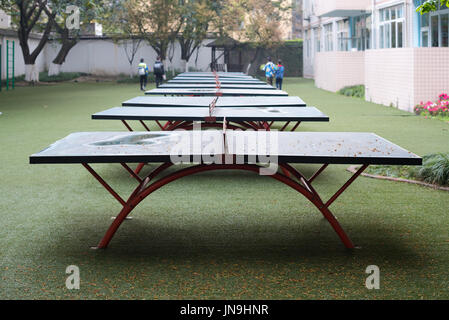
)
(63, 76)
(435, 169)
(43, 77)
(353, 91)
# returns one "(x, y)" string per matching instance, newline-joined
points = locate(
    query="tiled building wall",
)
(431, 73)
(405, 77)
(389, 75)
(335, 70)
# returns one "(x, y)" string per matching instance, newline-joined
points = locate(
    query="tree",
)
(432, 5)
(196, 16)
(28, 16)
(228, 17)
(67, 17)
(262, 25)
(156, 21)
(116, 21)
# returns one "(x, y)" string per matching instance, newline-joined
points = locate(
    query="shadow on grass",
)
(140, 239)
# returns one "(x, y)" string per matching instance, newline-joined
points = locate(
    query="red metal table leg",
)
(127, 125)
(296, 126)
(142, 191)
(285, 126)
(144, 125)
(139, 168)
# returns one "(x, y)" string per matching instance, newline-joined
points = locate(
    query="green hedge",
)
(43, 77)
(290, 52)
(353, 91)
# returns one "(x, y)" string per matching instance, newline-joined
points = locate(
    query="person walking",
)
(143, 74)
(269, 69)
(279, 75)
(159, 72)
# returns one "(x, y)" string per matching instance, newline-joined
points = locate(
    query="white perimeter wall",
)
(102, 57)
(19, 68)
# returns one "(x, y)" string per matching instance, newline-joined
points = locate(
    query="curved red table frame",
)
(290, 176)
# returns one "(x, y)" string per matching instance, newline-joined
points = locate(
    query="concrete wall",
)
(19, 68)
(99, 57)
(335, 70)
(104, 57)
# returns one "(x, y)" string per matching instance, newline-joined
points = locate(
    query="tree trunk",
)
(23, 32)
(131, 71)
(184, 65)
(249, 67)
(54, 69)
(253, 60)
(31, 73)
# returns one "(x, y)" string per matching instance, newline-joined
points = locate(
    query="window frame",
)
(328, 30)
(440, 12)
(386, 21)
(343, 35)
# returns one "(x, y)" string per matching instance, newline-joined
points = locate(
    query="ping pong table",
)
(214, 81)
(224, 150)
(217, 92)
(235, 79)
(242, 113)
(213, 75)
(222, 102)
(257, 118)
(214, 86)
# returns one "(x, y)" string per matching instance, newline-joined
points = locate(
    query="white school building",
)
(401, 56)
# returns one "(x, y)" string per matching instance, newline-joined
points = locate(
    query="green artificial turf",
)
(221, 235)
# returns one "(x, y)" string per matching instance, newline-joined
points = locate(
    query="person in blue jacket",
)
(279, 75)
(269, 69)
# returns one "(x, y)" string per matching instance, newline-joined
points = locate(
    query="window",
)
(425, 30)
(444, 28)
(367, 36)
(361, 32)
(317, 39)
(328, 37)
(435, 31)
(435, 28)
(391, 27)
(343, 35)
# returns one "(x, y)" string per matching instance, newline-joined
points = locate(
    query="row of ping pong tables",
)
(242, 138)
